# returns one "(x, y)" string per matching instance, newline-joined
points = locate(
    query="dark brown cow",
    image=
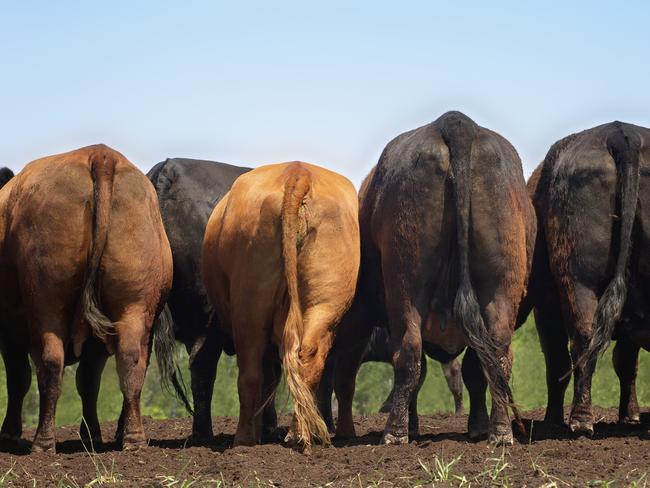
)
(86, 267)
(591, 276)
(447, 236)
(280, 264)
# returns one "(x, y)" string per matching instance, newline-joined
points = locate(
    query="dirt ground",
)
(442, 456)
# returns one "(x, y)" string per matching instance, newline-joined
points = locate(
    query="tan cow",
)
(280, 264)
(86, 267)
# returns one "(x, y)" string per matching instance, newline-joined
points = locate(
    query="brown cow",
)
(86, 267)
(280, 264)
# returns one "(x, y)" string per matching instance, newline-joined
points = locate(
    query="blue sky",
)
(327, 82)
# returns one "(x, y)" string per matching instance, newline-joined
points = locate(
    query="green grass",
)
(373, 385)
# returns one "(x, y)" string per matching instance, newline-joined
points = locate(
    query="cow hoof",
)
(44, 445)
(581, 427)
(498, 440)
(274, 435)
(91, 442)
(477, 430)
(634, 419)
(390, 439)
(134, 446)
(200, 438)
(345, 432)
(554, 420)
(297, 443)
(134, 442)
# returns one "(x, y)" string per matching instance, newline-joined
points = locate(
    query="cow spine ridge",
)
(308, 420)
(102, 169)
(624, 145)
(459, 132)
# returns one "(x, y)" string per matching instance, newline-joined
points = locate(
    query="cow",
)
(86, 267)
(447, 236)
(280, 265)
(592, 269)
(188, 190)
(5, 175)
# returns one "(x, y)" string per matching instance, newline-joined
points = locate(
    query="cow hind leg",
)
(272, 374)
(501, 324)
(48, 355)
(583, 303)
(88, 378)
(453, 375)
(203, 371)
(554, 341)
(250, 360)
(477, 422)
(325, 391)
(626, 363)
(345, 377)
(406, 339)
(19, 378)
(131, 359)
(387, 405)
(414, 421)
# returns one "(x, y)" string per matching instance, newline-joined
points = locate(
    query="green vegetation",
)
(373, 385)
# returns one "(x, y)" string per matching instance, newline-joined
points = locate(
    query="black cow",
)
(591, 275)
(188, 190)
(447, 239)
(5, 175)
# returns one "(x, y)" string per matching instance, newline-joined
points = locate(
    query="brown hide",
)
(280, 264)
(85, 262)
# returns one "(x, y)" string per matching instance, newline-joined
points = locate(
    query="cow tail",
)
(624, 146)
(459, 132)
(308, 421)
(102, 170)
(164, 345)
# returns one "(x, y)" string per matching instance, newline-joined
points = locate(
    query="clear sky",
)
(326, 82)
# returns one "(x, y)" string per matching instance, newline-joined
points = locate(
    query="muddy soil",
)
(547, 456)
